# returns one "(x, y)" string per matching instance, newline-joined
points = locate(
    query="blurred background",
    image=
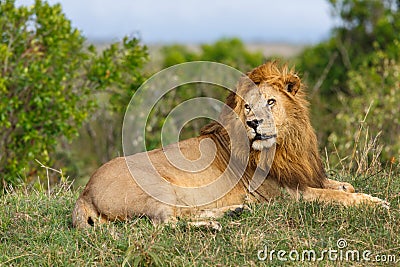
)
(69, 69)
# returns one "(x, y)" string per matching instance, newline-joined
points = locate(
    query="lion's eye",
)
(271, 102)
(247, 106)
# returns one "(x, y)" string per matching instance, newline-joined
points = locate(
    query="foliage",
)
(333, 69)
(374, 96)
(229, 51)
(364, 26)
(232, 52)
(367, 22)
(176, 54)
(47, 83)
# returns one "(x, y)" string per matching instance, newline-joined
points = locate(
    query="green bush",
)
(348, 71)
(373, 103)
(229, 51)
(48, 80)
(362, 26)
(176, 54)
(232, 52)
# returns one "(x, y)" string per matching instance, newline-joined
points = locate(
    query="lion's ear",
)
(293, 84)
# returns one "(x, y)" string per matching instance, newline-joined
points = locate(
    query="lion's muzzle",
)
(254, 124)
(264, 136)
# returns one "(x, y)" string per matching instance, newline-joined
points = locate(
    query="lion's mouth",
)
(264, 136)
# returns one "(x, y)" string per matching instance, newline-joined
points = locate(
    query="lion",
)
(264, 131)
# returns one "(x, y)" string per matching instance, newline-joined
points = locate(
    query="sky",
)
(196, 21)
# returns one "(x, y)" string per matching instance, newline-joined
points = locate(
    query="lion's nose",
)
(254, 123)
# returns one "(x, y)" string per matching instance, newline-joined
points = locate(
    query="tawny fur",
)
(112, 193)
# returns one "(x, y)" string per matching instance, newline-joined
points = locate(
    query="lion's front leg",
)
(336, 196)
(336, 185)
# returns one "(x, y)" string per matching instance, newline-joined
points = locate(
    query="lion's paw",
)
(368, 199)
(214, 225)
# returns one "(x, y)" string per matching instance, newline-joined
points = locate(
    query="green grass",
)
(36, 230)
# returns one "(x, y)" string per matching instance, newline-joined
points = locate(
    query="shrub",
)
(348, 71)
(229, 51)
(47, 83)
(372, 103)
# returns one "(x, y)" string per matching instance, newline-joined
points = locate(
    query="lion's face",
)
(258, 119)
(282, 108)
(270, 103)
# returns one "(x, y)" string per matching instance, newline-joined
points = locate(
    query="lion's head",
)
(285, 93)
(280, 93)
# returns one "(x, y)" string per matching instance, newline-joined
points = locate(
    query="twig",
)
(322, 78)
(353, 154)
(17, 257)
(47, 174)
(392, 161)
(49, 168)
(343, 52)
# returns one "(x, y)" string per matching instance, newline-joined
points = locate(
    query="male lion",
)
(239, 159)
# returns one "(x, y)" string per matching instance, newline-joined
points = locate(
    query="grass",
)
(36, 230)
